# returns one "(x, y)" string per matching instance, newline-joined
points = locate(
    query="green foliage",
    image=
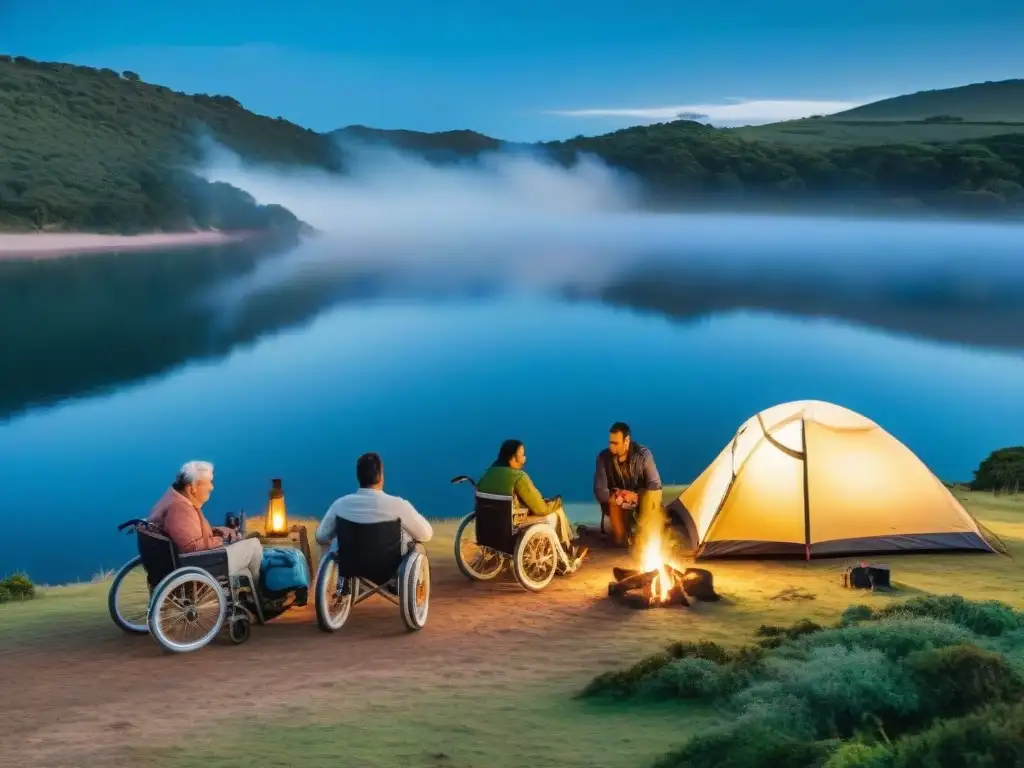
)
(989, 738)
(684, 160)
(962, 678)
(989, 617)
(88, 149)
(876, 691)
(17, 586)
(841, 689)
(1001, 470)
(773, 637)
(759, 746)
(895, 637)
(855, 754)
(683, 670)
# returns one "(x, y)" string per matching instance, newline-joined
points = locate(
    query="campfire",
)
(657, 582)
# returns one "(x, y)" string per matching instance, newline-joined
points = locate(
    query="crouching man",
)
(179, 516)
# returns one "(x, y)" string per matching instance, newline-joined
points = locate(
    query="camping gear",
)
(700, 584)
(815, 479)
(864, 576)
(282, 570)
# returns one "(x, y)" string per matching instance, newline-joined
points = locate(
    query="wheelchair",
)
(368, 561)
(506, 535)
(184, 599)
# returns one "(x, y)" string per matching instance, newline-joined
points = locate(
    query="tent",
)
(814, 479)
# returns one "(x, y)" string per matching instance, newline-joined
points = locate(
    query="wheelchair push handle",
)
(463, 479)
(131, 524)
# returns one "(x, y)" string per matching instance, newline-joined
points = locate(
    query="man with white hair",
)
(179, 514)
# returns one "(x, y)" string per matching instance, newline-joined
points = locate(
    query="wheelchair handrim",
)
(336, 606)
(188, 611)
(122, 590)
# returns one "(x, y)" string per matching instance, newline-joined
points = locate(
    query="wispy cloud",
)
(737, 112)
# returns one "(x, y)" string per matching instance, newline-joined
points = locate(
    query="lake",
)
(271, 362)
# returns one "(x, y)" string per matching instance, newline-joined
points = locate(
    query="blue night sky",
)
(508, 68)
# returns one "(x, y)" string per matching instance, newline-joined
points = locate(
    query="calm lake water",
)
(118, 369)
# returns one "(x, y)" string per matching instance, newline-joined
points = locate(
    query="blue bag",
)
(282, 570)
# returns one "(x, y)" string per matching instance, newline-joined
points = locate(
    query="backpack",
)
(282, 570)
(864, 576)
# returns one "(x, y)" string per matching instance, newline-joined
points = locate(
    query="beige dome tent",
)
(811, 478)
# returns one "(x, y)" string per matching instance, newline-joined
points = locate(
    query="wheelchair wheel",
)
(414, 590)
(536, 557)
(333, 595)
(128, 599)
(475, 562)
(188, 610)
(239, 630)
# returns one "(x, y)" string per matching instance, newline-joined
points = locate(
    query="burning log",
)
(643, 589)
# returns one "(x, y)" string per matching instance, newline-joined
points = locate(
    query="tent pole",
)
(807, 500)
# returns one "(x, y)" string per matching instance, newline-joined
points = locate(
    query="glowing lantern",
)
(277, 517)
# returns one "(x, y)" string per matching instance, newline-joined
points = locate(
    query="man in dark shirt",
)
(625, 478)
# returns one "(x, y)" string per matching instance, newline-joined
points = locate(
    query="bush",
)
(989, 738)
(989, 617)
(16, 587)
(896, 638)
(640, 678)
(962, 678)
(858, 755)
(773, 637)
(754, 747)
(688, 678)
(842, 689)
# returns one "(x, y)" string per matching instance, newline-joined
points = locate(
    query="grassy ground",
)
(491, 680)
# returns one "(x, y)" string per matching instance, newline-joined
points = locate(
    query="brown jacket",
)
(183, 524)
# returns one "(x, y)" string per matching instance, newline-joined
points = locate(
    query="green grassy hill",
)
(949, 114)
(1001, 101)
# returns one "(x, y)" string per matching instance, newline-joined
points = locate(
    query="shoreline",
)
(35, 246)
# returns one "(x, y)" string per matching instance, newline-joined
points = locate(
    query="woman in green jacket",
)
(505, 477)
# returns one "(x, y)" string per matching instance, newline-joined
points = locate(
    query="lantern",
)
(277, 517)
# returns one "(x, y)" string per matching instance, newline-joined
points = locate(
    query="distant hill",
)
(949, 114)
(1001, 101)
(95, 150)
(460, 143)
(92, 149)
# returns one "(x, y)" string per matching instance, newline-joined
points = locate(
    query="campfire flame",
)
(653, 549)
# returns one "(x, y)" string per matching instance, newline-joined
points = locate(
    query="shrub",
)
(773, 637)
(989, 617)
(990, 738)
(16, 587)
(639, 677)
(962, 678)
(896, 638)
(687, 678)
(753, 747)
(842, 688)
(858, 755)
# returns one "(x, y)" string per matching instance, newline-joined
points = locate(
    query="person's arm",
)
(601, 490)
(328, 527)
(181, 525)
(531, 497)
(415, 524)
(651, 476)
